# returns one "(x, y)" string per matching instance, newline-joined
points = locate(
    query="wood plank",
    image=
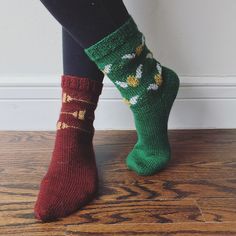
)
(12, 141)
(218, 209)
(170, 189)
(195, 195)
(138, 211)
(34, 230)
(183, 229)
(182, 167)
(111, 212)
(181, 140)
(19, 191)
(197, 166)
(18, 219)
(16, 214)
(157, 229)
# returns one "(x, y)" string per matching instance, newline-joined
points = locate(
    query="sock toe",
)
(146, 165)
(44, 214)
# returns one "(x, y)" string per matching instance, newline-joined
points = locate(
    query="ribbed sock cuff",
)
(114, 41)
(81, 84)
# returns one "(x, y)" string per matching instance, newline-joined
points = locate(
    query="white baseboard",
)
(33, 103)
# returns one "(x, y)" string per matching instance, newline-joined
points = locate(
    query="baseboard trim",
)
(33, 103)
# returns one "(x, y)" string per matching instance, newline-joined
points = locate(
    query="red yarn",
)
(71, 180)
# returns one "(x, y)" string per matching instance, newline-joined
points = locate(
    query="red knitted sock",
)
(71, 180)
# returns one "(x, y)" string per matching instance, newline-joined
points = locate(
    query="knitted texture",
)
(71, 180)
(147, 87)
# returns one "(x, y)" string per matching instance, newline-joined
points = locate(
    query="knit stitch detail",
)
(124, 57)
(115, 40)
(147, 87)
(81, 84)
(71, 180)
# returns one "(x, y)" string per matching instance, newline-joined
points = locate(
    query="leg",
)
(76, 62)
(88, 20)
(149, 89)
(71, 180)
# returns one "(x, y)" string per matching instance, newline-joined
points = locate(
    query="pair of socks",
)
(147, 88)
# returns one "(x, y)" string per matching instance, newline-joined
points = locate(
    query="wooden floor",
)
(196, 195)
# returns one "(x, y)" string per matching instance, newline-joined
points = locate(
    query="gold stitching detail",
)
(67, 98)
(132, 81)
(63, 125)
(158, 79)
(81, 115)
(139, 50)
(77, 114)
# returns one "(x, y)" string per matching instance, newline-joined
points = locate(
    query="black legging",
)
(76, 62)
(84, 23)
(88, 21)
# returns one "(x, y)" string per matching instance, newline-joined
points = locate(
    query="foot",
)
(71, 180)
(146, 87)
(152, 151)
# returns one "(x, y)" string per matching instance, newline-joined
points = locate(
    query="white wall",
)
(195, 37)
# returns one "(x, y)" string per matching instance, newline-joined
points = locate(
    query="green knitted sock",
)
(147, 87)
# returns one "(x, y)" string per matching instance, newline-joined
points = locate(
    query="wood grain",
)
(183, 229)
(195, 195)
(218, 209)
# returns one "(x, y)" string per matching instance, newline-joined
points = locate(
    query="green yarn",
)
(147, 87)
(152, 151)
